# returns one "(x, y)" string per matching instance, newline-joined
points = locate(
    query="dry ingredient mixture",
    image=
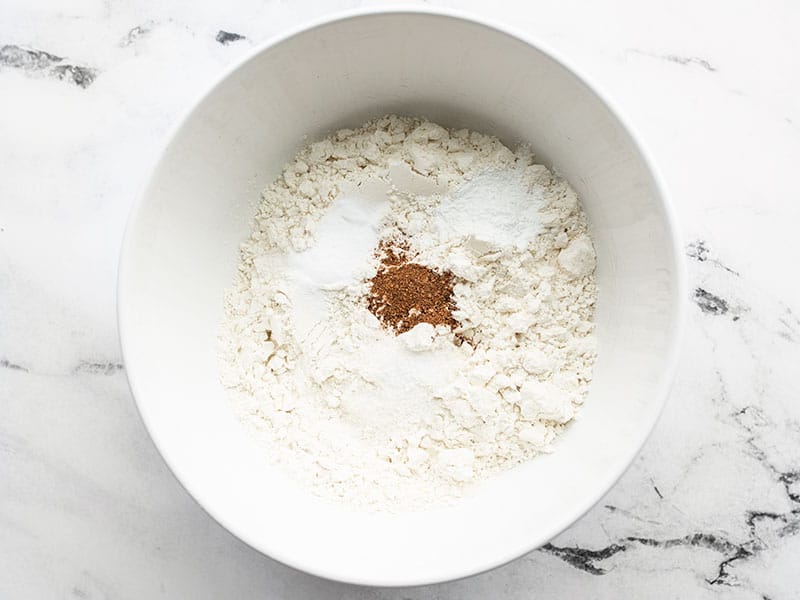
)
(413, 312)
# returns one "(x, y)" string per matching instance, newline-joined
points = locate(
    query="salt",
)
(498, 206)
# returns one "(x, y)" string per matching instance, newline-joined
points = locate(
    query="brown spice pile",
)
(404, 294)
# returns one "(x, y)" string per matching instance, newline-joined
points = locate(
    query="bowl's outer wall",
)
(180, 255)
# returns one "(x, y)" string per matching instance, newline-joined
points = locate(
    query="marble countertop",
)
(88, 510)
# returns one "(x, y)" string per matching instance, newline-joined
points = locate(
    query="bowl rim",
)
(661, 390)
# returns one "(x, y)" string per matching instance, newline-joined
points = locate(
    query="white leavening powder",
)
(396, 422)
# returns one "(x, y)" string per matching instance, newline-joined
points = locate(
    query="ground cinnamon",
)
(404, 294)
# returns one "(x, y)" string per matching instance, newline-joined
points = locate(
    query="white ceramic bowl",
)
(180, 253)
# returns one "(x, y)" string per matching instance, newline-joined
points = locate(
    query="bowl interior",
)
(181, 252)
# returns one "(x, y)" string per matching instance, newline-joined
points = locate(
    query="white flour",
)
(400, 422)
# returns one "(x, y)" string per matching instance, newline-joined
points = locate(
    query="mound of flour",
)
(399, 422)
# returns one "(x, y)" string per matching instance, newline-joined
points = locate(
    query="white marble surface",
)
(711, 508)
